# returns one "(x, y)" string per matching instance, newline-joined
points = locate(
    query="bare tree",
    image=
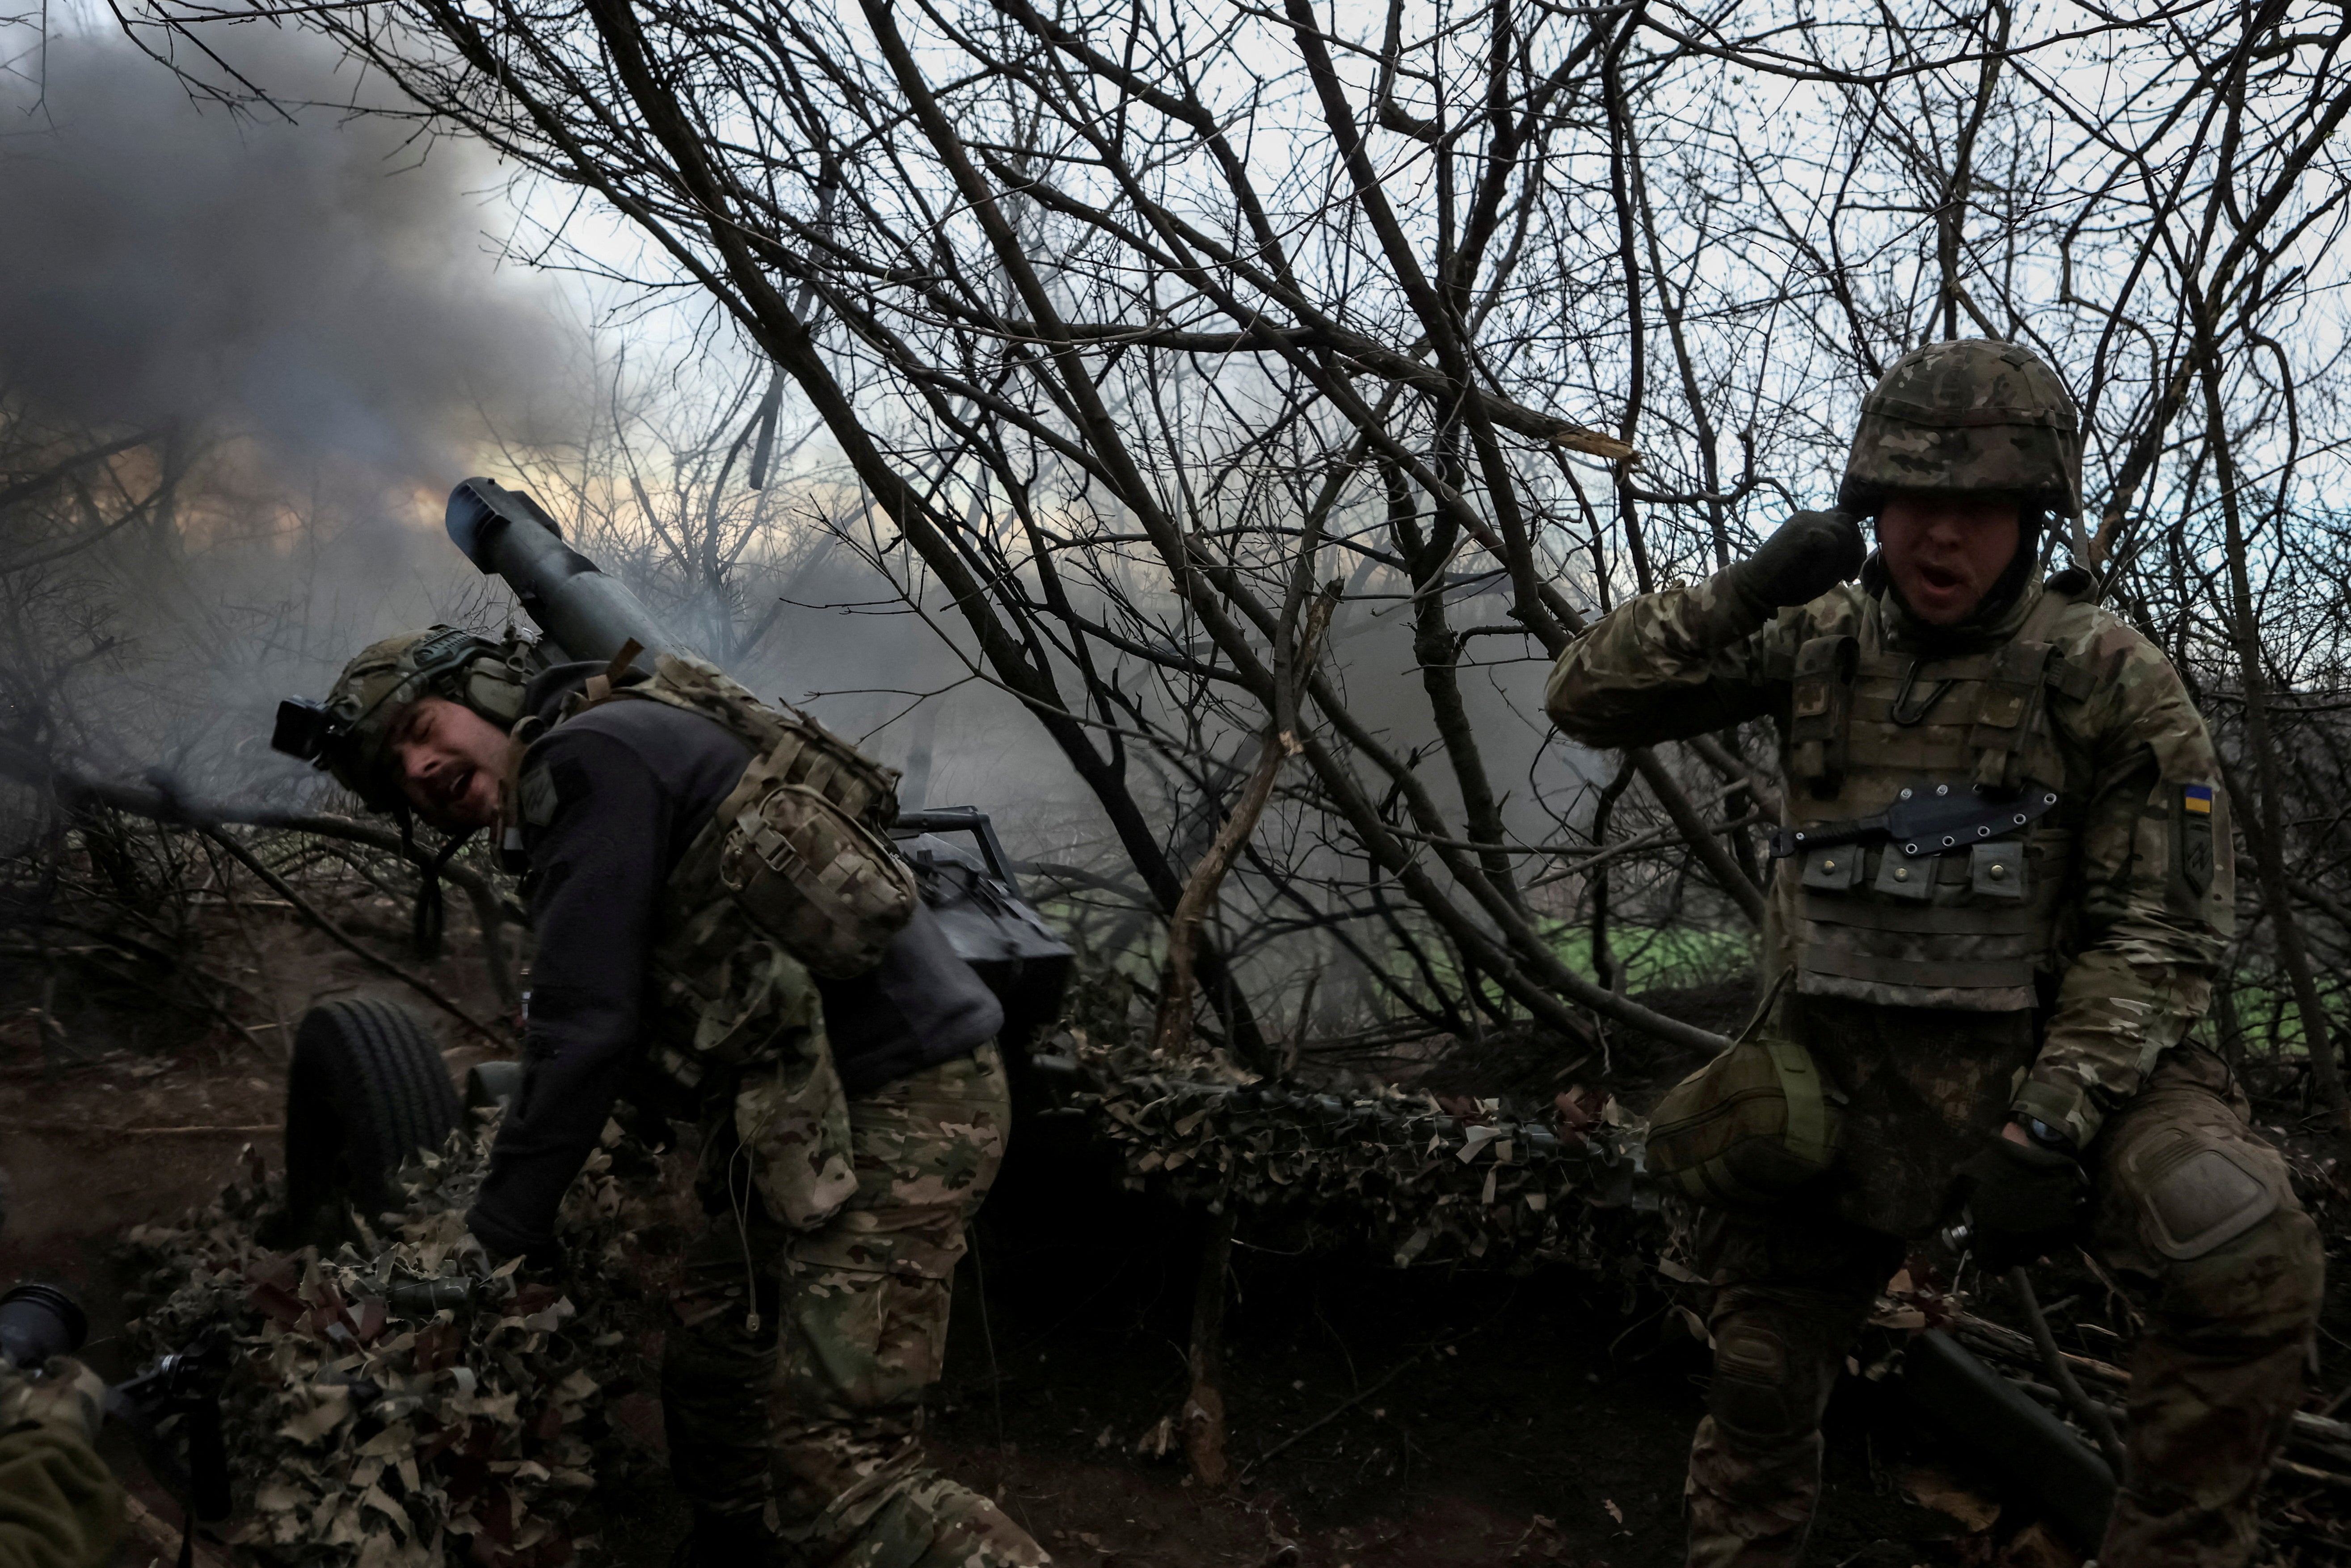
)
(1129, 328)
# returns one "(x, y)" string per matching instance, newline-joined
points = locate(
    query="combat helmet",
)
(1977, 415)
(346, 734)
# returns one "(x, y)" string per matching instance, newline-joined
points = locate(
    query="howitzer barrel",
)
(585, 613)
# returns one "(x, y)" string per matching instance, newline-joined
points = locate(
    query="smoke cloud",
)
(322, 287)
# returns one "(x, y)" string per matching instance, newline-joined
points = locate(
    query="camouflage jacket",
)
(2143, 917)
(62, 1508)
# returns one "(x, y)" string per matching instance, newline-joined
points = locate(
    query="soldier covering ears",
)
(2002, 886)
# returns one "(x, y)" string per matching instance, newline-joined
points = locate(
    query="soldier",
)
(60, 1507)
(851, 1128)
(1998, 1007)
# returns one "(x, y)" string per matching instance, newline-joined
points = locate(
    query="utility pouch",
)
(800, 849)
(827, 888)
(2007, 714)
(1819, 712)
(1749, 1128)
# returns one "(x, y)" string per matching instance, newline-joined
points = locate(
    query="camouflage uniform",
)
(812, 1310)
(810, 1413)
(60, 1507)
(2051, 970)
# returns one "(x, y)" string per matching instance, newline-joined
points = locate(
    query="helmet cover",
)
(1972, 416)
(388, 677)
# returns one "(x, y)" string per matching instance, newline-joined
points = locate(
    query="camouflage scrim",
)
(1971, 415)
(799, 1400)
(2149, 885)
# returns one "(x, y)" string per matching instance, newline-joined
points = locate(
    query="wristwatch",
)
(2055, 1139)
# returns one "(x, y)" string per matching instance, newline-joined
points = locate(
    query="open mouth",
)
(454, 790)
(1939, 579)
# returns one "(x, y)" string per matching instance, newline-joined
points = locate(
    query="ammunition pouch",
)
(797, 844)
(1749, 1128)
(1821, 714)
(830, 890)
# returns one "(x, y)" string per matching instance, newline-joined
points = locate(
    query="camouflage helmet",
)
(1973, 415)
(346, 734)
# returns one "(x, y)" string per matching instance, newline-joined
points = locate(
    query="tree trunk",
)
(1204, 1406)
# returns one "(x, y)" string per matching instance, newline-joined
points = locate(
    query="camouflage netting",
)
(370, 1424)
(1416, 1179)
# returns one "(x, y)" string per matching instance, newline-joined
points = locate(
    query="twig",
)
(318, 917)
(2093, 1414)
(1173, 1032)
(2006, 1342)
(163, 1536)
(31, 767)
(1341, 1408)
(2021, 1347)
(2286, 1467)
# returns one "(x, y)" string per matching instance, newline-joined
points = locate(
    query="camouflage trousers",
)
(793, 1377)
(2191, 1205)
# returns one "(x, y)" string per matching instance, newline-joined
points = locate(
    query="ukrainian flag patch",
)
(2196, 799)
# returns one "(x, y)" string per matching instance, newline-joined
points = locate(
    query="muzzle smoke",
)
(320, 287)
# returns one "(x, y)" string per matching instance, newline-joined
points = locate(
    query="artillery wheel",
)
(366, 1091)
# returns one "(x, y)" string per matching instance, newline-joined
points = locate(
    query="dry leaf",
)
(2036, 1547)
(1930, 1488)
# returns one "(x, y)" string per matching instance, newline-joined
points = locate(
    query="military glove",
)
(63, 1393)
(2022, 1200)
(1809, 554)
(545, 1257)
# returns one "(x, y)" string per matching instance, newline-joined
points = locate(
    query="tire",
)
(367, 1091)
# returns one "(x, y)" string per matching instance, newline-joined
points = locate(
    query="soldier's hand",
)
(1809, 554)
(63, 1393)
(2024, 1200)
(545, 1256)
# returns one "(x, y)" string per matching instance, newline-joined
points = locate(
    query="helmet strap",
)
(427, 920)
(430, 909)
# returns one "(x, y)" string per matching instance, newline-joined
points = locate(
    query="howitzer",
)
(586, 615)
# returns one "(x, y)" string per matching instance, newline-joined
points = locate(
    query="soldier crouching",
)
(2003, 883)
(851, 1126)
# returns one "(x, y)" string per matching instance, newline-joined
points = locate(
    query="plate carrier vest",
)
(1928, 850)
(790, 875)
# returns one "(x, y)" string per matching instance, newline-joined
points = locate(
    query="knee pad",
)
(2197, 1190)
(1753, 1393)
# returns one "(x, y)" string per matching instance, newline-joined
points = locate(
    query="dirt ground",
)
(1377, 1418)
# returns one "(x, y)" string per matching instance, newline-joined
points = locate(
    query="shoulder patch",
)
(2193, 847)
(538, 796)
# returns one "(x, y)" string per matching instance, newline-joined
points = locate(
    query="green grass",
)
(2259, 1000)
(1655, 957)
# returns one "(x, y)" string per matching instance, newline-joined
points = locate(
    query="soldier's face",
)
(1945, 552)
(451, 760)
